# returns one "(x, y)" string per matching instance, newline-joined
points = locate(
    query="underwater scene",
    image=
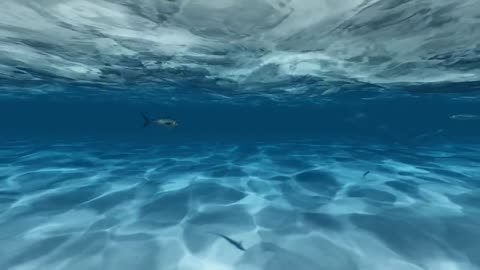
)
(240, 135)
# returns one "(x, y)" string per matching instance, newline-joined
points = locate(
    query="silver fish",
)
(465, 117)
(234, 243)
(166, 122)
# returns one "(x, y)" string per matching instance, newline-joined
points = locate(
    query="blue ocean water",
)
(336, 135)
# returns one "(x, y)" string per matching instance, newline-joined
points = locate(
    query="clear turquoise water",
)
(336, 135)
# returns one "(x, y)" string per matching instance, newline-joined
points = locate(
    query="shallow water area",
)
(240, 135)
(96, 206)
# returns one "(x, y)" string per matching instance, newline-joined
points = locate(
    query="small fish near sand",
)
(166, 122)
(237, 244)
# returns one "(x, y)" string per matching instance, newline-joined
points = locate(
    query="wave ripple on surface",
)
(271, 46)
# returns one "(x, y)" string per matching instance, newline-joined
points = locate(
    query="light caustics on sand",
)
(266, 47)
(87, 206)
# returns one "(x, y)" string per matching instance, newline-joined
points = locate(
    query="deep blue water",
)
(85, 186)
(313, 135)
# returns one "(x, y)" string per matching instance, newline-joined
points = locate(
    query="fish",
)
(465, 117)
(237, 244)
(365, 174)
(428, 135)
(166, 122)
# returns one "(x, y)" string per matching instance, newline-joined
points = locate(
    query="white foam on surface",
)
(246, 45)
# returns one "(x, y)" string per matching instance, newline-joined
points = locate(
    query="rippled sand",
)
(303, 206)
